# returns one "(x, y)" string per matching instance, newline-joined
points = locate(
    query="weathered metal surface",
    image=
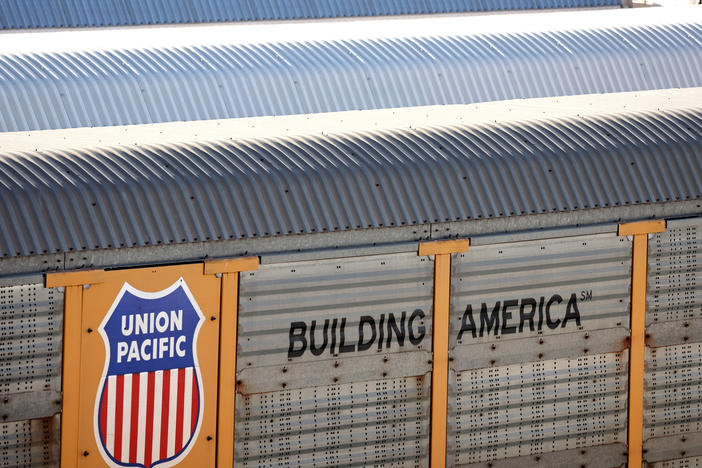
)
(381, 423)
(672, 401)
(672, 447)
(564, 345)
(675, 273)
(688, 462)
(544, 287)
(16, 14)
(30, 443)
(101, 78)
(181, 193)
(334, 362)
(31, 325)
(539, 407)
(330, 309)
(605, 456)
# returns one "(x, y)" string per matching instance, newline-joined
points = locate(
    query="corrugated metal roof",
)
(63, 81)
(71, 197)
(17, 14)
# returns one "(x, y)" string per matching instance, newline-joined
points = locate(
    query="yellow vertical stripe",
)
(439, 389)
(636, 352)
(227, 370)
(72, 325)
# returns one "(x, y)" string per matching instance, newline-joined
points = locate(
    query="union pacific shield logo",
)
(149, 405)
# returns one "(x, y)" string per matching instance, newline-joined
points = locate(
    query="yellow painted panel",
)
(641, 227)
(443, 247)
(97, 301)
(227, 370)
(71, 375)
(637, 351)
(74, 278)
(442, 278)
(231, 265)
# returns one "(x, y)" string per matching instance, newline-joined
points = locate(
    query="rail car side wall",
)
(673, 374)
(334, 357)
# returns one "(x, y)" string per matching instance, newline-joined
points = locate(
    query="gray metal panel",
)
(113, 197)
(15, 14)
(276, 296)
(31, 325)
(689, 462)
(584, 281)
(673, 401)
(379, 423)
(675, 273)
(121, 85)
(31, 443)
(335, 408)
(531, 408)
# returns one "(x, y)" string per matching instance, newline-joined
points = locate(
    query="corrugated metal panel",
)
(301, 366)
(542, 287)
(539, 407)
(691, 462)
(76, 13)
(31, 326)
(371, 423)
(673, 372)
(673, 402)
(173, 193)
(538, 332)
(47, 88)
(31, 443)
(333, 296)
(675, 273)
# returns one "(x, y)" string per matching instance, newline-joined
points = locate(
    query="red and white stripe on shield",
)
(149, 417)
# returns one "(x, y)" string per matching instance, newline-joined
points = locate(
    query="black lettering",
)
(541, 313)
(297, 334)
(508, 316)
(493, 321)
(317, 351)
(572, 311)
(381, 329)
(558, 299)
(366, 319)
(416, 339)
(467, 326)
(399, 332)
(333, 336)
(344, 348)
(527, 317)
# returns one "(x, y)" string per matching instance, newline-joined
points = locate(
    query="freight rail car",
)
(64, 79)
(502, 284)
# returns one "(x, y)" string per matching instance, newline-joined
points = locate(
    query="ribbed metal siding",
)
(111, 197)
(31, 443)
(48, 89)
(31, 328)
(691, 462)
(337, 406)
(673, 372)
(16, 14)
(675, 273)
(526, 410)
(516, 393)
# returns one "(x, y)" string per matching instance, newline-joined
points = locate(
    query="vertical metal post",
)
(227, 369)
(640, 232)
(442, 251)
(229, 269)
(72, 321)
(72, 344)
